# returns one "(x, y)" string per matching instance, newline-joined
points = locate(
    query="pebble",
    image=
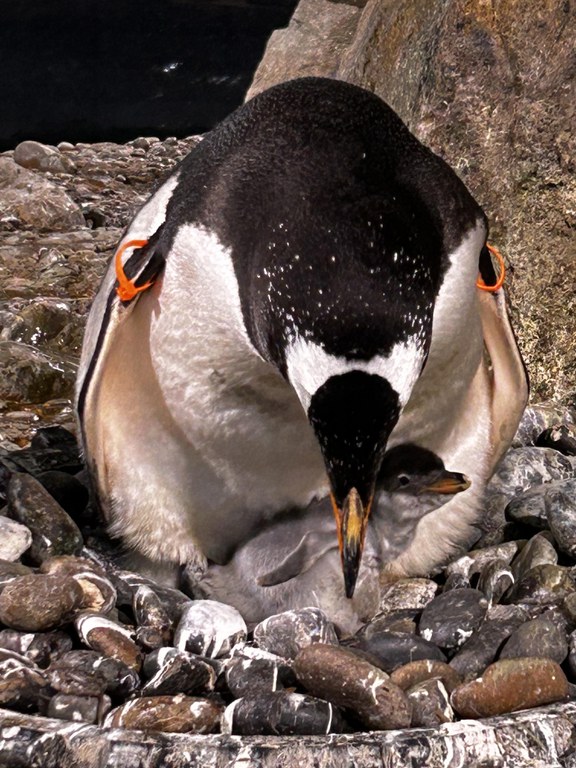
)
(522, 468)
(23, 685)
(407, 594)
(89, 673)
(510, 685)
(171, 714)
(155, 628)
(561, 513)
(529, 507)
(99, 595)
(430, 704)
(281, 713)
(543, 585)
(248, 677)
(560, 437)
(393, 649)
(38, 602)
(452, 617)
(178, 672)
(53, 531)
(342, 678)
(539, 550)
(286, 634)
(9, 571)
(209, 628)
(478, 559)
(69, 492)
(495, 580)
(416, 672)
(539, 637)
(111, 639)
(15, 539)
(79, 709)
(39, 157)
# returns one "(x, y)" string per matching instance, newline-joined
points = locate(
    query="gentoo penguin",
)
(293, 562)
(299, 295)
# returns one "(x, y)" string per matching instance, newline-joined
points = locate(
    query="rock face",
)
(492, 89)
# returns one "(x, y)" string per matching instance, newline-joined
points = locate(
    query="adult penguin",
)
(297, 296)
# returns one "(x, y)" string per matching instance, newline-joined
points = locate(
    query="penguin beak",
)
(447, 483)
(352, 522)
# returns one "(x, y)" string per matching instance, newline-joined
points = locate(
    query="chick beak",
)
(447, 483)
(351, 522)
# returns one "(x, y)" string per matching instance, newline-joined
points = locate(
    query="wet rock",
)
(32, 376)
(403, 620)
(179, 672)
(209, 628)
(15, 539)
(560, 437)
(99, 595)
(522, 468)
(416, 672)
(79, 709)
(127, 584)
(394, 649)
(529, 507)
(39, 157)
(539, 550)
(407, 594)
(538, 637)
(543, 585)
(340, 677)
(9, 571)
(111, 639)
(248, 677)
(478, 559)
(88, 673)
(22, 684)
(510, 685)
(53, 531)
(44, 647)
(537, 419)
(561, 513)
(155, 628)
(483, 646)
(430, 704)
(281, 713)
(450, 619)
(495, 580)
(37, 602)
(286, 634)
(171, 714)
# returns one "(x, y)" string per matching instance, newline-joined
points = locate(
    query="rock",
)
(407, 594)
(495, 579)
(14, 539)
(476, 560)
(22, 684)
(537, 419)
(39, 157)
(522, 468)
(430, 704)
(539, 550)
(416, 672)
(539, 637)
(79, 709)
(543, 585)
(69, 492)
(286, 634)
(53, 531)
(171, 714)
(88, 673)
(450, 619)
(509, 685)
(561, 513)
(281, 713)
(403, 620)
(31, 376)
(209, 628)
(127, 584)
(111, 639)
(179, 672)
(10, 571)
(249, 677)
(394, 649)
(155, 628)
(529, 507)
(37, 602)
(340, 677)
(44, 647)
(559, 437)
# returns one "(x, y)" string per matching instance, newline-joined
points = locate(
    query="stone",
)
(171, 714)
(44, 647)
(539, 550)
(22, 684)
(393, 649)
(543, 585)
(69, 492)
(281, 713)
(416, 672)
(209, 628)
(15, 539)
(10, 571)
(510, 685)
(88, 673)
(538, 418)
(430, 704)
(403, 620)
(560, 437)
(39, 157)
(38, 602)
(476, 560)
(127, 584)
(248, 677)
(32, 376)
(495, 579)
(561, 513)
(155, 628)
(99, 595)
(407, 594)
(179, 672)
(110, 638)
(79, 709)
(286, 634)
(539, 637)
(522, 468)
(347, 681)
(53, 531)
(450, 619)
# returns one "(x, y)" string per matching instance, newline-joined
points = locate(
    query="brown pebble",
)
(342, 678)
(425, 669)
(172, 714)
(430, 704)
(509, 685)
(111, 639)
(37, 602)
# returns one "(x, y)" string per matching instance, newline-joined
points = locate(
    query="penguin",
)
(297, 297)
(293, 561)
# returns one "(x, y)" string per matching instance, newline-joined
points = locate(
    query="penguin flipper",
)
(509, 378)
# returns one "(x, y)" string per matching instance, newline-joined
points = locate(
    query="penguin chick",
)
(297, 297)
(294, 562)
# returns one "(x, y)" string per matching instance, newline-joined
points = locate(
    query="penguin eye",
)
(403, 480)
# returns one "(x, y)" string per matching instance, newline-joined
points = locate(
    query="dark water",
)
(94, 70)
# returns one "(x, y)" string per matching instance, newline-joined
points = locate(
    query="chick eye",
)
(403, 479)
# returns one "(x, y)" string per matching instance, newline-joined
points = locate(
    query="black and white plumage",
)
(315, 302)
